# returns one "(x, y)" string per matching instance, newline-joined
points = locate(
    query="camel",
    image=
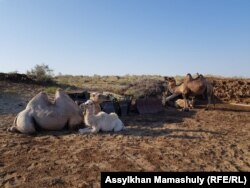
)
(179, 103)
(41, 113)
(190, 87)
(98, 98)
(101, 121)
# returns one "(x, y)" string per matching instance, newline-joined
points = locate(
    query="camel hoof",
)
(12, 129)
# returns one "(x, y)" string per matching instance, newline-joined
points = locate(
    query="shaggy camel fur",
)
(41, 113)
(190, 87)
(101, 121)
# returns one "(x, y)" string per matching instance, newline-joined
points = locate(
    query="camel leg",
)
(85, 130)
(171, 97)
(13, 127)
(89, 130)
(190, 104)
(13, 130)
(209, 98)
(186, 109)
(210, 95)
(23, 123)
(118, 126)
(209, 102)
(95, 129)
(73, 123)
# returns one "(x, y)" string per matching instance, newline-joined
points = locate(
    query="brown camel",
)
(190, 87)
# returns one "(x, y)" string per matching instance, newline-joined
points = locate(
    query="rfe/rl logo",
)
(226, 179)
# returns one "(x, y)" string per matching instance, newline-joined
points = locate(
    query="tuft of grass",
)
(50, 89)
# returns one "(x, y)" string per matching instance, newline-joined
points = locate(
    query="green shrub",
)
(42, 73)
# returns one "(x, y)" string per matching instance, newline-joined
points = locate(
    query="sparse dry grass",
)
(137, 86)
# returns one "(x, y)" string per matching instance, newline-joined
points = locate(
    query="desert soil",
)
(199, 140)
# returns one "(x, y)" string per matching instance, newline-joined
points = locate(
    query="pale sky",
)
(118, 37)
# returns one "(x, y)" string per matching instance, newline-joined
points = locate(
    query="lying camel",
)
(101, 121)
(41, 113)
(97, 98)
(190, 87)
(179, 103)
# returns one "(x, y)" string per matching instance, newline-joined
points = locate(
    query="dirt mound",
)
(147, 88)
(16, 77)
(232, 90)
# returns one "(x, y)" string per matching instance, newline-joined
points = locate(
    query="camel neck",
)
(89, 113)
(89, 118)
(172, 88)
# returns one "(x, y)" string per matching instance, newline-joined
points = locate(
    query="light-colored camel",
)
(180, 103)
(101, 121)
(190, 87)
(41, 113)
(97, 98)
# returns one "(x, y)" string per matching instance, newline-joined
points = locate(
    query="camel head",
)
(89, 106)
(98, 97)
(89, 102)
(82, 108)
(170, 80)
(171, 83)
(166, 78)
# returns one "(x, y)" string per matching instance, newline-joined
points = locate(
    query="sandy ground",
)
(199, 140)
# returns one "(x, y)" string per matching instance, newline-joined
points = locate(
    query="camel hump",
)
(59, 93)
(200, 76)
(113, 115)
(188, 78)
